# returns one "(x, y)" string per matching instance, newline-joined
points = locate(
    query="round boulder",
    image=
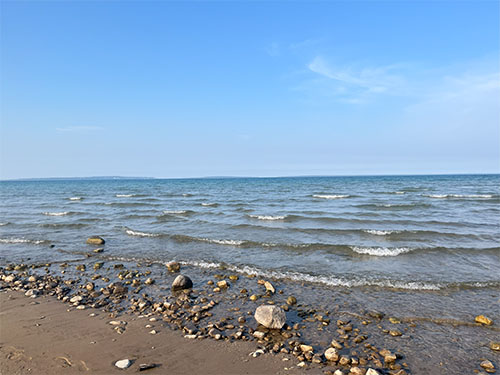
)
(270, 316)
(182, 282)
(95, 240)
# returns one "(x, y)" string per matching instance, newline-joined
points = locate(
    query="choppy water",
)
(412, 232)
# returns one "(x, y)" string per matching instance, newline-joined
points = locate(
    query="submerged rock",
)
(484, 320)
(173, 267)
(95, 240)
(182, 282)
(495, 346)
(291, 300)
(270, 316)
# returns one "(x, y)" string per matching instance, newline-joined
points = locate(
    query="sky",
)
(231, 88)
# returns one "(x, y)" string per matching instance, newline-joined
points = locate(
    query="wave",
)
(141, 234)
(331, 196)
(268, 217)
(463, 196)
(209, 204)
(187, 195)
(380, 232)
(22, 240)
(56, 213)
(75, 198)
(64, 225)
(393, 206)
(388, 192)
(5, 223)
(381, 251)
(177, 212)
(124, 195)
(128, 204)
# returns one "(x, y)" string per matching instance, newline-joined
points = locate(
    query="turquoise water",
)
(404, 232)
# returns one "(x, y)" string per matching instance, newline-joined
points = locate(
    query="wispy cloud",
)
(273, 49)
(349, 81)
(80, 129)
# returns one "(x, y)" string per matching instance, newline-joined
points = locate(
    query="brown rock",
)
(95, 240)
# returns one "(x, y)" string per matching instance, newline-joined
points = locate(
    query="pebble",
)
(153, 332)
(146, 366)
(269, 287)
(495, 346)
(483, 320)
(371, 371)
(487, 365)
(80, 307)
(291, 300)
(331, 354)
(395, 333)
(123, 363)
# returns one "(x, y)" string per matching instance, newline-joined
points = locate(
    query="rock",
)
(233, 277)
(173, 267)
(95, 240)
(394, 320)
(117, 323)
(331, 354)
(338, 372)
(259, 335)
(484, 320)
(335, 344)
(98, 265)
(146, 366)
(390, 358)
(291, 300)
(182, 282)
(98, 250)
(149, 281)
(371, 371)
(10, 278)
(254, 297)
(256, 353)
(306, 348)
(31, 293)
(80, 267)
(356, 371)
(153, 332)
(90, 286)
(270, 316)
(32, 279)
(75, 299)
(395, 333)
(269, 287)
(487, 365)
(495, 346)
(222, 284)
(123, 363)
(344, 360)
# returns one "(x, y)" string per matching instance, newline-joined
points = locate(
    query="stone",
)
(338, 372)
(269, 287)
(95, 240)
(357, 371)
(182, 282)
(31, 293)
(371, 371)
(10, 278)
(173, 267)
(331, 354)
(254, 297)
(222, 284)
(146, 366)
(75, 299)
(487, 365)
(270, 316)
(291, 300)
(80, 267)
(98, 250)
(495, 346)
(90, 286)
(484, 320)
(390, 358)
(344, 360)
(149, 281)
(335, 344)
(259, 335)
(233, 277)
(123, 363)
(306, 348)
(395, 333)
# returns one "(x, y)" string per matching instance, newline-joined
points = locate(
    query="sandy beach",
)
(40, 336)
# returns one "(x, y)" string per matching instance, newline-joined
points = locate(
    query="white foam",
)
(124, 195)
(21, 240)
(75, 198)
(175, 212)
(332, 196)
(381, 251)
(2, 224)
(268, 217)
(209, 204)
(140, 234)
(442, 196)
(223, 242)
(56, 213)
(380, 232)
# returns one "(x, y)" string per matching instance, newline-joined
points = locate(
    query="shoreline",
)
(220, 307)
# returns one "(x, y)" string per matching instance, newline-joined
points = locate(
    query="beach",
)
(372, 274)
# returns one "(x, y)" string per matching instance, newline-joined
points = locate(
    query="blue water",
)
(404, 232)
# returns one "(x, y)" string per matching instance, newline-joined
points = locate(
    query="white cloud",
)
(79, 128)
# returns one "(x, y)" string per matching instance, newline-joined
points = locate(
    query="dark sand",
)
(39, 336)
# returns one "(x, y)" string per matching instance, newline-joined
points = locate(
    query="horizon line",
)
(242, 177)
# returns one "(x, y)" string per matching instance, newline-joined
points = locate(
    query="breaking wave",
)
(381, 251)
(56, 213)
(22, 240)
(124, 195)
(331, 196)
(141, 234)
(268, 217)
(75, 198)
(463, 196)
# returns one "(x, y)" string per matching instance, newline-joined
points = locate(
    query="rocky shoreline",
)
(223, 306)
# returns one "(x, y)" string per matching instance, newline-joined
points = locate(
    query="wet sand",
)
(39, 336)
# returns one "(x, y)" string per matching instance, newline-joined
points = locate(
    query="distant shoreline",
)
(107, 178)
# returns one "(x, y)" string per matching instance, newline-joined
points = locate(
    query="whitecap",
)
(268, 217)
(75, 198)
(140, 234)
(2, 224)
(175, 212)
(330, 196)
(56, 213)
(21, 240)
(379, 232)
(209, 204)
(223, 242)
(124, 195)
(472, 196)
(381, 251)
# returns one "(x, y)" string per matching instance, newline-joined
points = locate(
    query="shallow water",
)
(415, 247)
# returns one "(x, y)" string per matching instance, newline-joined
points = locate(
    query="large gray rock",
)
(182, 282)
(270, 316)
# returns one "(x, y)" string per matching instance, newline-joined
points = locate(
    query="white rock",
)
(270, 316)
(10, 278)
(371, 371)
(81, 307)
(117, 323)
(338, 372)
(123, 363)
(331, 354)
(153, 332)
(75, 299)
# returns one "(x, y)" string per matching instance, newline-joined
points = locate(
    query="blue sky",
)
(183, 89)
